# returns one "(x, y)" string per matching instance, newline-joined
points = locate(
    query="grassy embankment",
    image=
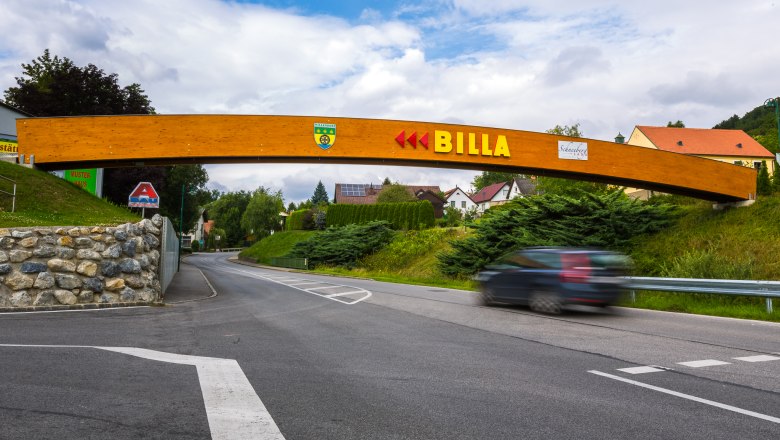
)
(741, 243)
(410, 258)
(46, 200)
(277, 245)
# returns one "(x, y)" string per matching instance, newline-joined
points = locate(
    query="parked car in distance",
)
(551, 278)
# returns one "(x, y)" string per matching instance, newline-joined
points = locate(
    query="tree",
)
(320, 196)
(678, 124)
(395, 193)
(192, 180)
(262, 213)
(776, 179)
(54, 86)
(575, 188)
(763, 184)
(387, 181)
(452, 216)
(759, 123)
(291, 207)
(488, 178)
(227, 212)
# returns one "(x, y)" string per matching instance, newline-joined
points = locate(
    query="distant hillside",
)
(760, 123)
(46, 200)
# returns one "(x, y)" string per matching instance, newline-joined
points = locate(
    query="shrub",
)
(343, 246)
(593, 220)
(195, 246)
(408, 215)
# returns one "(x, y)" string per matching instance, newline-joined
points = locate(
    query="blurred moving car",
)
(548, 279)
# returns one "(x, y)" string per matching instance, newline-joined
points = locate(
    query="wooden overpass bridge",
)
(145, 140)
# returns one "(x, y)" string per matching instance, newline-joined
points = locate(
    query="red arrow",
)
(400, 139)
(424, 140)
(413, 139)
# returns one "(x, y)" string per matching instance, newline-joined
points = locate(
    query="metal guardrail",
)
(766, 289)
(12, 194)
(292, 263)
(234, 249)
(169, 254)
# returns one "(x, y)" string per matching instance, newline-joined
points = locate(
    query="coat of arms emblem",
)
(324, 135)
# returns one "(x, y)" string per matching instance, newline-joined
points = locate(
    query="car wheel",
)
(486, 297)
(545, 302)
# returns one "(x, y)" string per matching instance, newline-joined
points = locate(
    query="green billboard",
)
(90, 179)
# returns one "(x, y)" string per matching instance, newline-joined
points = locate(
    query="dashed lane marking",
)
(689, 397)
(703, 363)
(641, 370)
(760, 358)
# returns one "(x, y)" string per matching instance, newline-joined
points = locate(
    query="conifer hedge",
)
(344, 246)
(408, 215)
(295, 220)
(592, 220)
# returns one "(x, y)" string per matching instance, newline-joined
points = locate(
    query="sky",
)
(607, 65)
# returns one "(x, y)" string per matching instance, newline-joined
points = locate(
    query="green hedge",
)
(408, 215)
(295, 220)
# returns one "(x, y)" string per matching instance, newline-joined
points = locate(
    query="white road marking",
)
(641, 370)
(304, 284)
(276, 279)
(759, 358)
(323, 287)
(233, 408)
(703, 363)
(340, 294)
(689, 397)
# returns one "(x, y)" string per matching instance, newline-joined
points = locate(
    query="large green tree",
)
(262, 213)
(395, 193)
(227, 212)
(320, 196)
(183, 193)
(54, 86)
(487, 178)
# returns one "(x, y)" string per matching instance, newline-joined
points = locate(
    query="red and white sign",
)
(144, 196)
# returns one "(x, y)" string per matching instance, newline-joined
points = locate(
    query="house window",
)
(463, 204)
(452, 203)
(757, 165)
(505, 193)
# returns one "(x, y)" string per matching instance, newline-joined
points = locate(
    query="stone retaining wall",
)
(70, 266)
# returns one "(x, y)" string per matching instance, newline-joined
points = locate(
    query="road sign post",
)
(144, 196)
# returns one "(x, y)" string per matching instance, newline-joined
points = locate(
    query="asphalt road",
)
(335, 358)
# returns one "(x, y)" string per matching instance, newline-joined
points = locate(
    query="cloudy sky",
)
(520, 64)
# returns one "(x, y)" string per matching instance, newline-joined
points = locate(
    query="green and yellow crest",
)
(324, 135)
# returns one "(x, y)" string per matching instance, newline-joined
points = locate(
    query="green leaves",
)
(591, 220)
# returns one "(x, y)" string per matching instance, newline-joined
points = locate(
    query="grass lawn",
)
(46, 200)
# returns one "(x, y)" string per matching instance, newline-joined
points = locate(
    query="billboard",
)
(88, 179)
(8, 146)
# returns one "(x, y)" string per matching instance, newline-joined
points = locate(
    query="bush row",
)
(409, 215)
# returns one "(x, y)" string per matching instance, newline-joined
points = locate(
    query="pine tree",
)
(763, 184)
(320, 196)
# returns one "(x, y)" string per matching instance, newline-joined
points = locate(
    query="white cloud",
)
(526, 65)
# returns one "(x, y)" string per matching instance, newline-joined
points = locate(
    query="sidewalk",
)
(187, 285)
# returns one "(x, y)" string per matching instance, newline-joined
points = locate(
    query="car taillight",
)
(575, 268)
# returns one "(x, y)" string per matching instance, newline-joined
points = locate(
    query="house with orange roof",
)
(732, 146)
